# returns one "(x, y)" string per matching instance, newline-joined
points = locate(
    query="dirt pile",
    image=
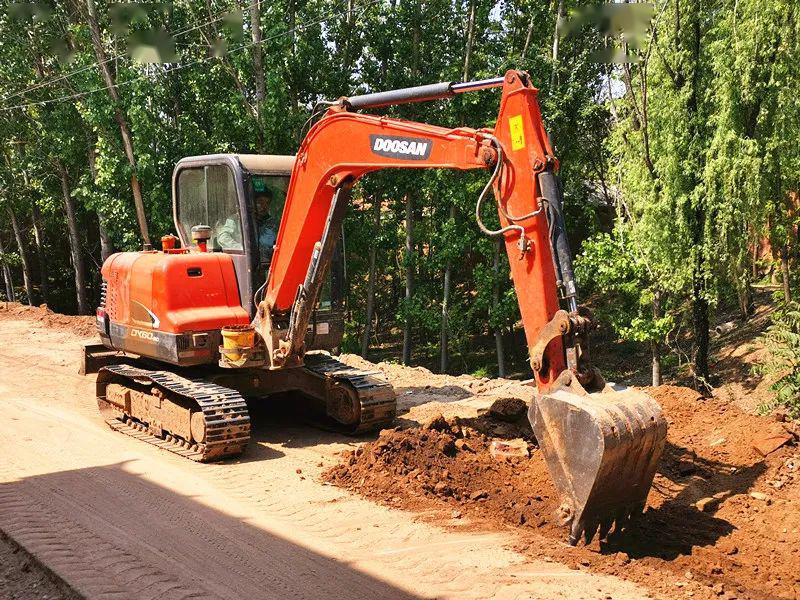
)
(722, 520)
(82, 326)
(465, 463)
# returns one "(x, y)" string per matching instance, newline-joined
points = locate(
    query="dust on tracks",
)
(80, 325)
(722, 520)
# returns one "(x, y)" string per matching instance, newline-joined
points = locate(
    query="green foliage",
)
(481, 372)
(610, 267)
(704, 163)
(707, 164)
(351, 342)
(10, 259)
(782, 342)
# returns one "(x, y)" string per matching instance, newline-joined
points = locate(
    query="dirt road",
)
(118, 519)
(22, 577)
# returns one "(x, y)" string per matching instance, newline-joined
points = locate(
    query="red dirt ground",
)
(79, 325)
(722, 520)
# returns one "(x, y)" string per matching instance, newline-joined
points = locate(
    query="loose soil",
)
(722, 520)
(79, 325)
(23, 578)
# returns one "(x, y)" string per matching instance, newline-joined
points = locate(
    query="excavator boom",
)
(601, 443)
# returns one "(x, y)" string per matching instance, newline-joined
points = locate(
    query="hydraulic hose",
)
(498, 165)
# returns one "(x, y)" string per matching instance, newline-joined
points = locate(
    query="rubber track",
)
(376, 395)
(225, 411)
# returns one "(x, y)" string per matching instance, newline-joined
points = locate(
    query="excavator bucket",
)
(601, 450)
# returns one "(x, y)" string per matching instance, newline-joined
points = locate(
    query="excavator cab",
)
(241, 198)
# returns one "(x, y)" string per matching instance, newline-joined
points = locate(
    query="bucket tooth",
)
(575, 533)
(620, 520)
(589, 531)
(601, 450)
(605, 527)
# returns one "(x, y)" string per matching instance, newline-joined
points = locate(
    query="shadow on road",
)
(282, 421)
(110, 532)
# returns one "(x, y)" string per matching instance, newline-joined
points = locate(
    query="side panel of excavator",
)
(169, 307)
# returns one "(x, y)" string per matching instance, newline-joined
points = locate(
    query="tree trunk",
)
(258, 67)
(444, 334)
(528, 37)
(291, 23)
(744, 296)
(655, 347)
(700, 325)
(38, 236)
(498, 331)
(258, 70)
(409, 278)
(76, 253)
(787, 292)
(655, 353)
(7, 275)
(23, 255)
(119, 117)
(700, 307)
(348, 53)
(470, 41)
(556, 34)
(106, 245)
(415, 41)
(373, 255)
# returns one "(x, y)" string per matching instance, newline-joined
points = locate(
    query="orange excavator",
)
(192, 330)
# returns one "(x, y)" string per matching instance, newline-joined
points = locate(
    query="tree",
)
(76, 252)
(6, 261)
(104, 65)
(372, 276)
(73, 87)
(19, 236)
(752, 172)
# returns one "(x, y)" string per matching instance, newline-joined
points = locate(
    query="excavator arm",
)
(344, 145)
(601, 443)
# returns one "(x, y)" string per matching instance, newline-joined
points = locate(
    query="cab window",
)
(207, 196)
(269, 198)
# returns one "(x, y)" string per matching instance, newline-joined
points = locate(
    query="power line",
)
(219, 16)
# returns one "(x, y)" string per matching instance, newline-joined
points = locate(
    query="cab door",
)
(209, 190)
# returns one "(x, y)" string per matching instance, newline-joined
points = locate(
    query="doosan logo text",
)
(401, 147)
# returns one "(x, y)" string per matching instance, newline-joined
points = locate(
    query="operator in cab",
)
(229, 235)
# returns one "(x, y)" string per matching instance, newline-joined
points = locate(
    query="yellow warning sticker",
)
(517, 132)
